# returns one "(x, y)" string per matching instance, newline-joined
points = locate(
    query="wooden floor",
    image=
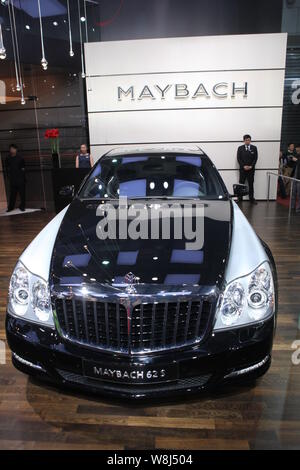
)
(34, 416)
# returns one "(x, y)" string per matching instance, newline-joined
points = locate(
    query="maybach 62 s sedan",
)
(115, 296)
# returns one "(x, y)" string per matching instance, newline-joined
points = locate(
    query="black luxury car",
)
(150, 283)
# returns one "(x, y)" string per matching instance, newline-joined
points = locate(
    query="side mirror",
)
(240, 190)
(67, 191)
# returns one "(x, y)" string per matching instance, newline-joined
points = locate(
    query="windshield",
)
(153, 176)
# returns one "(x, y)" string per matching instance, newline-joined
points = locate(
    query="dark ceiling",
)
(129, 19)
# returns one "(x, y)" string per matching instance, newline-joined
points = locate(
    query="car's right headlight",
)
(29, 296)
(247, 299)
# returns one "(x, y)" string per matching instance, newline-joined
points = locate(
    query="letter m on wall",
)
(128, 92)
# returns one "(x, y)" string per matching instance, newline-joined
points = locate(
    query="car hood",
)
(80, 258)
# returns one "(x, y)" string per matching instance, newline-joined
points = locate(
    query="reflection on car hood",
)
(80, 257)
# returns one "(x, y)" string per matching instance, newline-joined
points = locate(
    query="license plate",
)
(130, 374)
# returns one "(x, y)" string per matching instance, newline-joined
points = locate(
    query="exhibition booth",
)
(118, 332)
(202, 92)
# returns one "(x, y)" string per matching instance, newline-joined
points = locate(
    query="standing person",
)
(295, 201)
(15, 167)
(84, 159)
(281, 185)
(290, 158)
(247, 158)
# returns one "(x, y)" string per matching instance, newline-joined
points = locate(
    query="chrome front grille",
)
(143, 328)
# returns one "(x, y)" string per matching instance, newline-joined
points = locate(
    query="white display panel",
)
(200, 104)
(238, 52)
(187, 125)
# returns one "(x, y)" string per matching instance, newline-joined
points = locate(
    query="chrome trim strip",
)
(27, 363)
(246, 370)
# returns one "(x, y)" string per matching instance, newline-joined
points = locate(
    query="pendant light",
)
(81, 44)
(18, 85)
(17, 51)
(2, 48)
(71, 52)
(44, 62)
(22, 97)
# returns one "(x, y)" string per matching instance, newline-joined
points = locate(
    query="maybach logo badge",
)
(182, 91)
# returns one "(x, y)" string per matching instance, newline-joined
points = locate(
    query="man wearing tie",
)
(247, 158)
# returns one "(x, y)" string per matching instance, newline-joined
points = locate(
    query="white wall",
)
(216, 123)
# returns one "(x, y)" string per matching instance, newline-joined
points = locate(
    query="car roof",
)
(153, 150)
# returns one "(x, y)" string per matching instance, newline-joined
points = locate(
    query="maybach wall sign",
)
(182, 91)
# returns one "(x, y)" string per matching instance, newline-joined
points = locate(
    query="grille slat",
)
(85, 320)
(176, 322)
(118, 326)
(153, 326)
(106, 324)
(187, 320)
(165, 324)
(198, 317)
(66, 323)
(141, 326)
(74, 316)
(96, 322)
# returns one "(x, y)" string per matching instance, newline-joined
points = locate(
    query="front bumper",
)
(223, 356)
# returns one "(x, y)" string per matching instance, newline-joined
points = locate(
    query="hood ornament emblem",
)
(131, 280)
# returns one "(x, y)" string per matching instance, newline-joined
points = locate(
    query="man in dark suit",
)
(15, 167)
(247, 158)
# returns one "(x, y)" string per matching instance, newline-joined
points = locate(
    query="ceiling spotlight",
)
(82, 19)
(27, 26)
(55, 23)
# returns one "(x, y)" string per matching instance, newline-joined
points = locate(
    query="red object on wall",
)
(51, 133)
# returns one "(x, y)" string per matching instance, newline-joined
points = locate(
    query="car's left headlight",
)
(29, 297)
(247, 299)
